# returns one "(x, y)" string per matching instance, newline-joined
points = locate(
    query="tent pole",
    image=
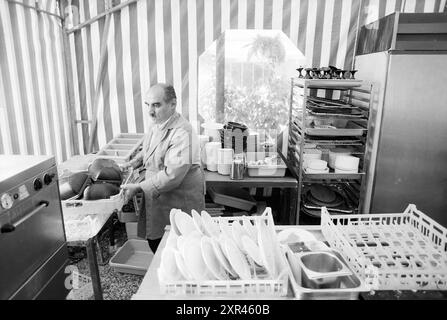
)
(99, 80)
(74, 145)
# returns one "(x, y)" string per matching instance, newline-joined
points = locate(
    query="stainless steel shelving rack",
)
(353, 92)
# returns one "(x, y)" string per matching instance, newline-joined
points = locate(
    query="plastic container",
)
(133, 257)
(275, 169)
(232, 197)
(122, 147)
(399, 251)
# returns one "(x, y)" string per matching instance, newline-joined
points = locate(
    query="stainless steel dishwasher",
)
(33, 251)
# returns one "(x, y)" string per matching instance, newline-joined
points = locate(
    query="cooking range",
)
(33, 252)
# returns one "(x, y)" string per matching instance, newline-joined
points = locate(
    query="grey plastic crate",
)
(134, 257)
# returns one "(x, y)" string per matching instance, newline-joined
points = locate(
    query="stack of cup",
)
(224, 161)
(203, 140)
(211, 155)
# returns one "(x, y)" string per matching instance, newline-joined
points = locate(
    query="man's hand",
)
(130, 190)
(124, 166)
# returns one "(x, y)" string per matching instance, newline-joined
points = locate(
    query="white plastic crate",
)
(101, 206)
(402, 251)
(252, 288)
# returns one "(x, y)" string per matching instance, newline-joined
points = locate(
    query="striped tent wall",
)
(149, 41)
(33, 108)
(160, 41)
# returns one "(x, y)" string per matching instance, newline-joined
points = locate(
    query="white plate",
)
(267, 248)
(252, 250)
(180, 243)
(211, 260)
(181, 266)
(184, 223)
(250, 229)
(171, 242)
(237, 260)
(221, 255)
(169, 265)
(192, 255)
(197, 220)
(211, 228)
(172, 221)
(291, 235)
(238, 232)
(226, 229)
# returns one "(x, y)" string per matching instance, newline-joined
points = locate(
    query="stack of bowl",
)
(310, 155)
(347, 164)
(316, 167)
(340, 151)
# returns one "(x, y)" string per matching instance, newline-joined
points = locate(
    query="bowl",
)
(312, 171)
(317, 165)
(346, 163)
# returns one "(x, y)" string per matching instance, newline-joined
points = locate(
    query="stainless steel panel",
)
(48, 282)
(373, 68)
(412, 157)
(25, 249)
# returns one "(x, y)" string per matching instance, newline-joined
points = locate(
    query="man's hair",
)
(169, 92)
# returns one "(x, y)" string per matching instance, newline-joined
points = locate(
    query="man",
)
(170, 155)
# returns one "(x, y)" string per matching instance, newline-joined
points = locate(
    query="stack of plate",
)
(201, 248)
(318, 196)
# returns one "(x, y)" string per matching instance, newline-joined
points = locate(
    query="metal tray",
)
(352, 130)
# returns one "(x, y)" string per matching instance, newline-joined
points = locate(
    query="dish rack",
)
(253, 288)
(401, 251)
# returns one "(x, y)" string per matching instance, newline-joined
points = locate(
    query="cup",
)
(224, 160)
(211, 155)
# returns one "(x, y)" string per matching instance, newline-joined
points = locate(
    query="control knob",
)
(38, 184)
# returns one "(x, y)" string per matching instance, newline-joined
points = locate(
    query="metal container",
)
(343, 288)
(321, 270)
(237, 169)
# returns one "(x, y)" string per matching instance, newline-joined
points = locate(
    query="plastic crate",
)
(257, 288)
(405, 251)
(133, 257)
(82, 287)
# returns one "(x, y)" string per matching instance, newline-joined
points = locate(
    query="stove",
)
(33, 247)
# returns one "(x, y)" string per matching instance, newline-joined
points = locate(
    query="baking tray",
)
(133, 257)
(352, 130)
(232, 197)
